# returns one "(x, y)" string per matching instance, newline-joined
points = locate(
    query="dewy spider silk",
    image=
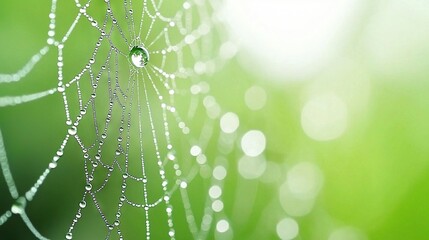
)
(139, 56)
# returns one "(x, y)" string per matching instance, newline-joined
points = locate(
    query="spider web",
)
(142, 136)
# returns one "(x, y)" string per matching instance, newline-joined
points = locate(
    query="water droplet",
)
(69, 236)
(60, 153)
(82, 204)
(19, 205)
(52, 165)
(118, 152)
(171, 156)
(61, 88)
(139, 56)
(88, 187)
(73, 130)
(95, 164)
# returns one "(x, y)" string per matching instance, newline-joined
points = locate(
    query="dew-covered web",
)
(142, 132)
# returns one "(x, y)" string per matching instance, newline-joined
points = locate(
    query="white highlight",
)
(396, 39)
(229, 122)
(222, 226)
(217, 205)
(219, 173)
(253, 143)
(138, 60)
(215, 191)
(289, 38)
(195, 150)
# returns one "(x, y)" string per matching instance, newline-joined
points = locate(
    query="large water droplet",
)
(88, 187)
(139, 56)
(82, 204)
(19, 206)
(69, 236)
(73, 130)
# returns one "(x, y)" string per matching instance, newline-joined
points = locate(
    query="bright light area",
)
(195, 150)
(229, 122)
(222, 226)
(253, 143)
(217, 205)
(324, 117)
(183, 184)
(215, 191)
(399, 29)
(219, 172)
(289, 38)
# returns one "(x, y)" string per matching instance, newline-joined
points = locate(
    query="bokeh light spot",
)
(293, 205)
(229, 122)
(324, 117)
(253, 143)
(255, 98)
(252, 167)
(195, 150)
(287, 229)
(219, 172)
(304, 180)
(222, 226)
(215, 191)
